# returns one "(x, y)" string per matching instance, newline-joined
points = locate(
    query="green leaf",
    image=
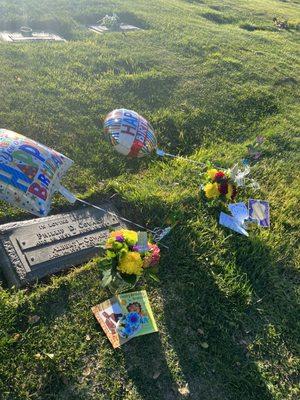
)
(123, 251)
(107, 278)
(205, 345)
(105, 264)
(154, 269)
(154, 276)
(110, 254)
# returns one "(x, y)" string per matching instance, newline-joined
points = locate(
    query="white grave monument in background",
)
(27, 35)
(103, 29)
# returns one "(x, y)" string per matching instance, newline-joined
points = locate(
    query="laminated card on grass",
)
(125, 316)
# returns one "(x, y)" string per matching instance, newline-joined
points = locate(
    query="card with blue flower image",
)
(125, 316)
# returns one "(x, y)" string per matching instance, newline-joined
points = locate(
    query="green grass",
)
(209, 85)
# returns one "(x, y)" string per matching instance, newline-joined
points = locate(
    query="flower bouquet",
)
(129, 256)
(111, 22)
(219, 186)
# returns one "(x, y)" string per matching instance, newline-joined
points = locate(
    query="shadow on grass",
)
(273, 286)
(209, 314)
(204, 326)
(148, 369)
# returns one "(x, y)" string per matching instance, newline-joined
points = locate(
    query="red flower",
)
(223, 188)
(219, 176)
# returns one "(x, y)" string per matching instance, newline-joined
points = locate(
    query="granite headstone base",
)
(31, 250)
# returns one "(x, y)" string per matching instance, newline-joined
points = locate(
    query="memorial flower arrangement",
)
(112, 22)
(129, 256)
(219, 186)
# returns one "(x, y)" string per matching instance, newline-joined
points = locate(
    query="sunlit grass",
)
(210, 76)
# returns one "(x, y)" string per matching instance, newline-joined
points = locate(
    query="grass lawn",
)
(211, 76)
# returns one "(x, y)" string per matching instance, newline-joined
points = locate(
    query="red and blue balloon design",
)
(130, 133)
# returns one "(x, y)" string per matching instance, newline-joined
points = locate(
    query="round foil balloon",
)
(30, 173)
(130, 133)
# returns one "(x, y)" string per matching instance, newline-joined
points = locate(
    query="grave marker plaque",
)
(103, 29)
(17, 37)
(33, 249)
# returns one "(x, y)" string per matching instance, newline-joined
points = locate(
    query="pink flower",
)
(153, 258)
(155, 254)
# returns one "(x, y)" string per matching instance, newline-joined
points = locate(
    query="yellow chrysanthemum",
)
(211, 173)
(131, 237)
(229, 192)
(211, 190)
(131, 263)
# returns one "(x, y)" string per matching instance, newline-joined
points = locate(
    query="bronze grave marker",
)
(31, 250)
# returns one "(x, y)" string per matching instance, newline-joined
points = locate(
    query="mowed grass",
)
(210, 76)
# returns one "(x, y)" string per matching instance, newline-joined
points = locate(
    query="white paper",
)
(239, 211)
(231, 223)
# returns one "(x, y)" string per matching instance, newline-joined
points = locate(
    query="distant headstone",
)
(103, 29)
(126, 27)
(19, 37)
(34, 249)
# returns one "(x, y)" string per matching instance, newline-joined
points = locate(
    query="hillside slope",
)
(210, 76)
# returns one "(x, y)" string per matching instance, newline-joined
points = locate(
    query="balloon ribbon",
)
(162, 153)
(158, 233)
